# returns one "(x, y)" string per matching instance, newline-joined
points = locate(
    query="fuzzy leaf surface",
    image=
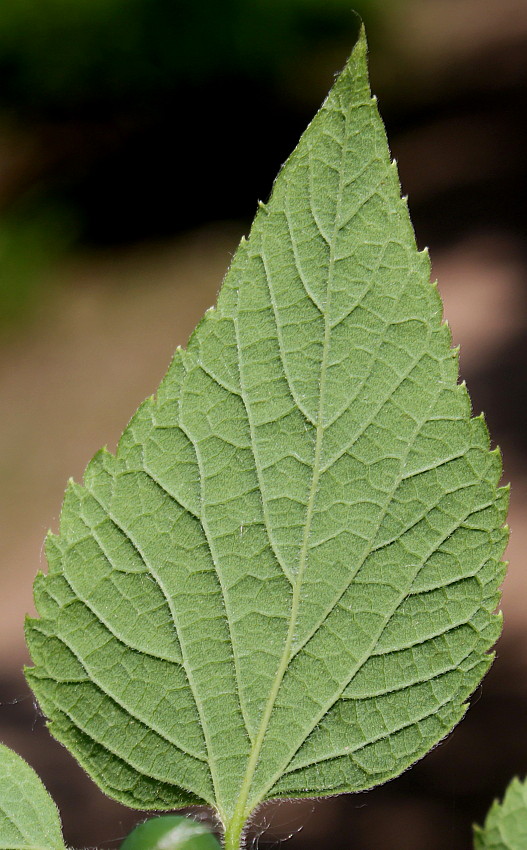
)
(29, 819)
(283, 583)
(505, 827)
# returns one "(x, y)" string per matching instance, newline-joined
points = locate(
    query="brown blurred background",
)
(135, 139)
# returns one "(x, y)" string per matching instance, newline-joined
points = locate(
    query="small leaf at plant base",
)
(505, 827)
(283, 584)
(170, 832)
(29, 819)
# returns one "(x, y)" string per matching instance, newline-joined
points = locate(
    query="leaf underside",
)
(505, 827)
(283, 583)
(29, 819)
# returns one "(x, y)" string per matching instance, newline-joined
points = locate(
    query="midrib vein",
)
(243, 806)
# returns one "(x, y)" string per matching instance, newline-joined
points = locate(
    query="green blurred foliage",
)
(31, 239)
(170, 832)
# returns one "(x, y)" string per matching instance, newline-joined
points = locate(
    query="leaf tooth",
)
(127, 442)
(101, 461)
(446, 331)
(495, 464)
(53, 552)
(494, 455)
(462, 393)
(171, 380)
(71, 498)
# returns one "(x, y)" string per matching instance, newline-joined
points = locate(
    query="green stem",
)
(233, 833)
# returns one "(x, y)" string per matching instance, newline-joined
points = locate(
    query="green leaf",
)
(506, 823)
(170, 832)
(29, 819)
(283, 583)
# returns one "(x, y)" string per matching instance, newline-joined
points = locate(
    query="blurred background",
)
(136, 137)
